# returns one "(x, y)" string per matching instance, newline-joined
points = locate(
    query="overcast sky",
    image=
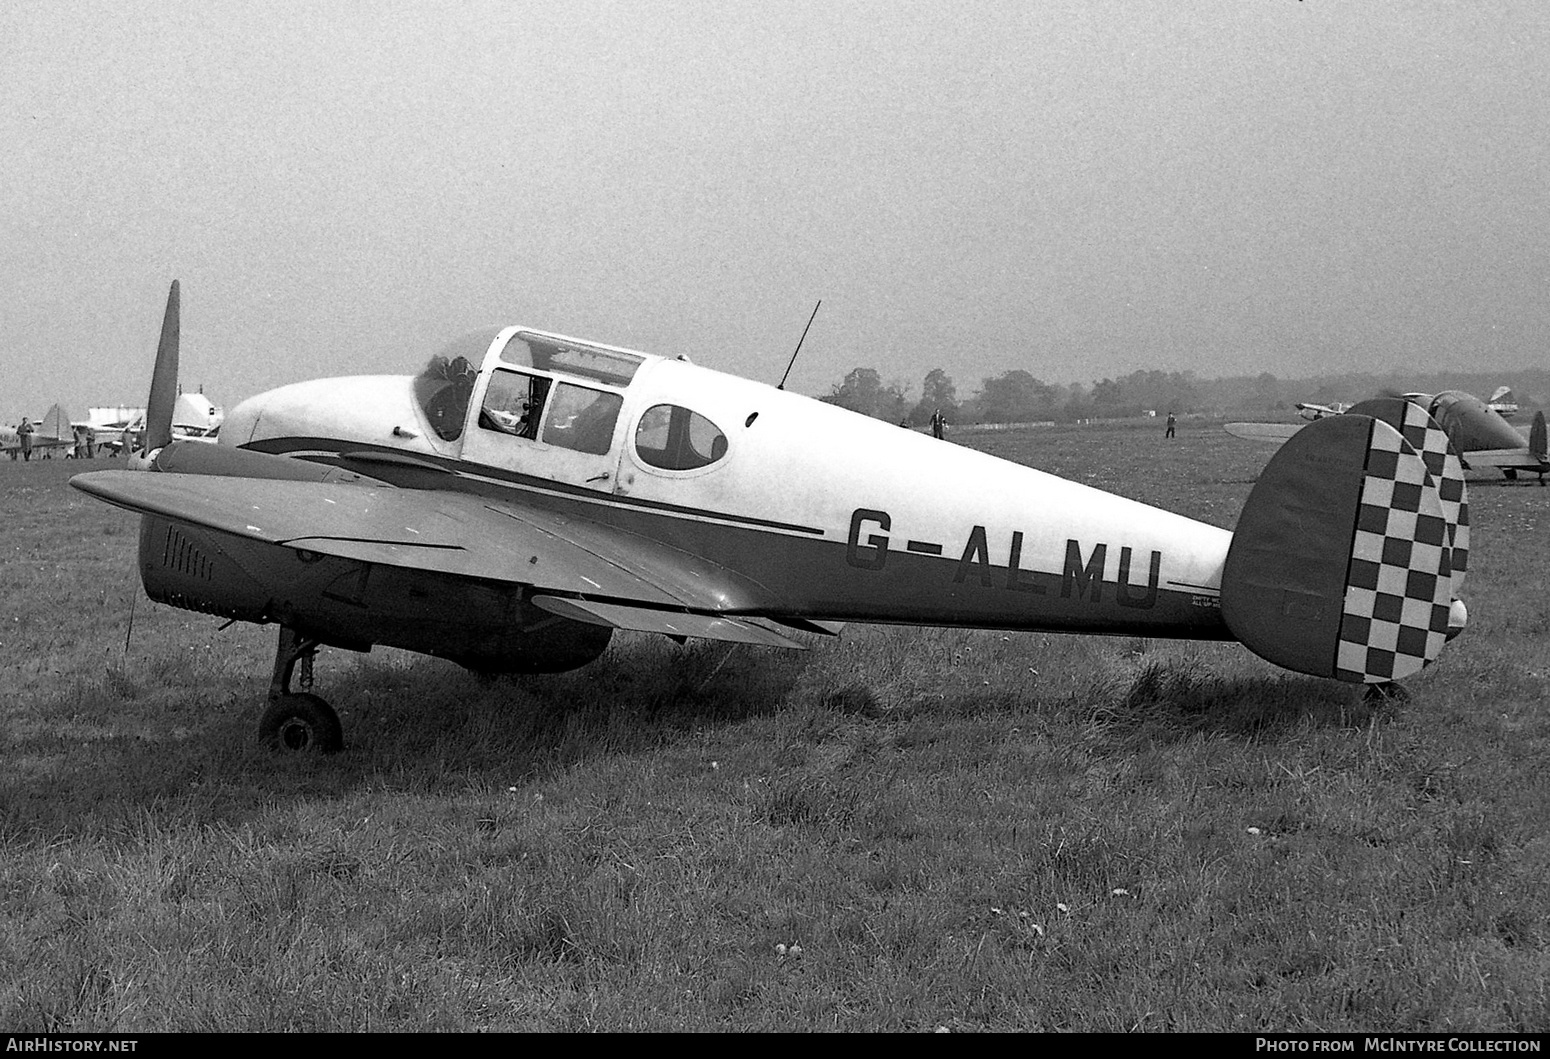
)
(1079, 188)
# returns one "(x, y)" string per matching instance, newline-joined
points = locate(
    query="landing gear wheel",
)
(299, 723)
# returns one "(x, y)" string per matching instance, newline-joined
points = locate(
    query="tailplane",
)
(1341, 564)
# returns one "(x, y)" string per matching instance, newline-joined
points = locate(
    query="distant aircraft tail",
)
(1342, 563)
(1503, 395)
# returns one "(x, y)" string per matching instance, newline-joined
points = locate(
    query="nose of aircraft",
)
(362, 408)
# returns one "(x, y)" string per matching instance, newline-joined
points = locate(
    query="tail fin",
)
(1340, 565)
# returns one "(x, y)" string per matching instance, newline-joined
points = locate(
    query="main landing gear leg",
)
(298, 721)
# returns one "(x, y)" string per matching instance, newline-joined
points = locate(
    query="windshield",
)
(446, 383)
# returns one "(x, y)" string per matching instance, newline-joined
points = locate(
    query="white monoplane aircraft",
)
(527, 494)
(1308, 410)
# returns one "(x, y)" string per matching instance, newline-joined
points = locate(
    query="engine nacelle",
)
(486, 626)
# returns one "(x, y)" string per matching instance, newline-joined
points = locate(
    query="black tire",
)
(300, 724)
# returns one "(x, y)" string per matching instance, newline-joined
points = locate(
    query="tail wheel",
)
(301, 723)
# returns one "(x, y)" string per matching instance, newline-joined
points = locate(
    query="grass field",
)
(897, 830)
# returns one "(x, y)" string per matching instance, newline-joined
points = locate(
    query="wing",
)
(579, 568)
(1275, 433)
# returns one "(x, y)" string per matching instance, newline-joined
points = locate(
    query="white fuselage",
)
(839, 514)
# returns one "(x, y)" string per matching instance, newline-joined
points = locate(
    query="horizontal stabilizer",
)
(1507, 460)
(1271, 432)
(1340, 563)
(669, 623)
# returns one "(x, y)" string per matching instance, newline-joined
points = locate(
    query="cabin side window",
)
(514, 403)
(582, 419)
(676, 439)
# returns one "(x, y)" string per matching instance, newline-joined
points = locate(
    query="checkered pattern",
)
(1399, 587)
(1431, 442)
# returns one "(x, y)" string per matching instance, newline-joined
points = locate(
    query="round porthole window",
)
(675, 439)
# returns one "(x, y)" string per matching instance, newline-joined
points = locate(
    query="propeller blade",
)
(164, 379)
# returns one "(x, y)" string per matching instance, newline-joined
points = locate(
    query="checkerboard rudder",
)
(1442, 461)
(1340, 565)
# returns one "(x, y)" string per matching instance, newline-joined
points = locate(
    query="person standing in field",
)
(1172, 422)
(24, 437)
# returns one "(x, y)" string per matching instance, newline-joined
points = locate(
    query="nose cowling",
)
(363, 408)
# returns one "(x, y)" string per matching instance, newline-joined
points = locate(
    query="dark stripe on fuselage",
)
(806, 577)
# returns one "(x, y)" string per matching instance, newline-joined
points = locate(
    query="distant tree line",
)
(1017, 396)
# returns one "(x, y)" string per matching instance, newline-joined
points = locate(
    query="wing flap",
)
(669, 623)
(824, 628)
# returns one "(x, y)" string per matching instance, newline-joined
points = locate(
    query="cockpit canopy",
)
(445, 385)
(559, 393)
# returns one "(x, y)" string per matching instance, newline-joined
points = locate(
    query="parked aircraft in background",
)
(1319, 411)
(527, 494)
(1479, 434)
(1502, 402)
(113, 429)
(52, 435)
(196, 418)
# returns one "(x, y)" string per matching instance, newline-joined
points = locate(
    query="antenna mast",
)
(794, 352)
